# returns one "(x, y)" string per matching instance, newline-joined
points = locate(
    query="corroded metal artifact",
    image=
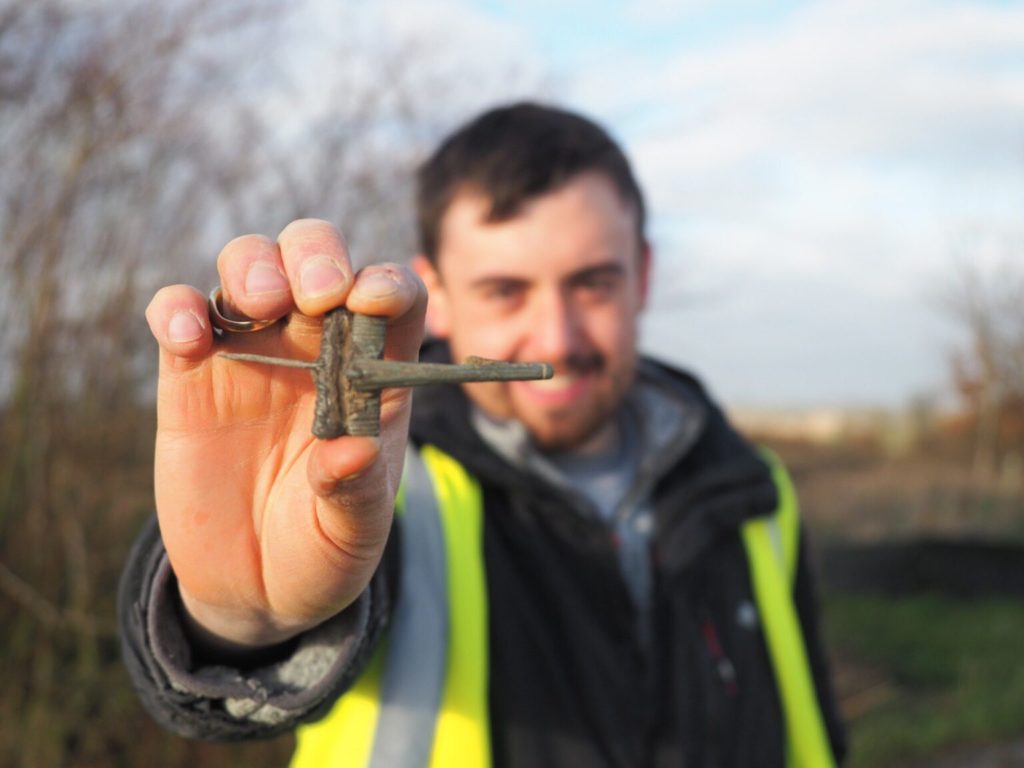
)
(349, 373)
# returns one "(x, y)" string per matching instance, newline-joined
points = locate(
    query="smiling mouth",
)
(561, 391)
(558, 382)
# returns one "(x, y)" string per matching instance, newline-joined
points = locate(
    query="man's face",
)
(562, 282)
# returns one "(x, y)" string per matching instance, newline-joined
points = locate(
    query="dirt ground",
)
(1008, 755)
(852, 497)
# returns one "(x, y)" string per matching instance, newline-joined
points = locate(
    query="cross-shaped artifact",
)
(349, 373)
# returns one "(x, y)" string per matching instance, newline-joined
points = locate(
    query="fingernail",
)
(320, 276)
(184, 326)
(377, 285)
(264, 278)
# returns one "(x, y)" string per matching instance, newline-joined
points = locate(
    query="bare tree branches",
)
(987, 367)
(136, 137)
(48, 614)
(108, 119)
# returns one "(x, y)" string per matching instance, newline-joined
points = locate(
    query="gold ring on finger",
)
(227, 324)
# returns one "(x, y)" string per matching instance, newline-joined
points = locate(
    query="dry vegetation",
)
(921, 584)
(956, 473)
(865, 494)
(104, 182)
(917, 525)
(138, 137)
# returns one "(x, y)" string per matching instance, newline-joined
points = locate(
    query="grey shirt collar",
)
(664, 414)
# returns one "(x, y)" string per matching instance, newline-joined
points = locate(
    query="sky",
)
(814, 170)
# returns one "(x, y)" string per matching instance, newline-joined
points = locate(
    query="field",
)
(924, 676)
(926, 650)
(927, 674)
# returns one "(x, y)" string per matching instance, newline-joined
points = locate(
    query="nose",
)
(558, 331)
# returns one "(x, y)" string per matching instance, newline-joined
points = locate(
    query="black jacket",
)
(573, 681)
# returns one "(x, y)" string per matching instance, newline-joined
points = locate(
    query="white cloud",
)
(463, 59)
(812, 173)
(811, 167)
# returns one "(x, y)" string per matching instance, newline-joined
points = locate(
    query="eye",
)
(598, 286)
(503, 291)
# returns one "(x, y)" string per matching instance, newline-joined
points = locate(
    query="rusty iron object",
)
(350, 373)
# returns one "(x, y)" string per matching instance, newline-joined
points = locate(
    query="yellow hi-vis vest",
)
(423, 698)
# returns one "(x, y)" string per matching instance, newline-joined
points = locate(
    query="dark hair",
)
(515, 153)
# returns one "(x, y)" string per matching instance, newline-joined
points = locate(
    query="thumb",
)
(340, 462)
(355, 498)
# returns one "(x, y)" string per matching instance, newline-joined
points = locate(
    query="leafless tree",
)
(987, 366)
(136, 138)
(109, 173)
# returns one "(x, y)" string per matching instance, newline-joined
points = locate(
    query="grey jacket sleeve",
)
(202, 699)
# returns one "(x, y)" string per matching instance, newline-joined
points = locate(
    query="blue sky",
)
(813, 169)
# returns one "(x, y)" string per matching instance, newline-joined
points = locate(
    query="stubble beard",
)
(574, 428)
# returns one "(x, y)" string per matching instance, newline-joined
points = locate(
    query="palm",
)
(238, 515)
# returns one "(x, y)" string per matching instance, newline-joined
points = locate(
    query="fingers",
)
(395, 292)
(309, 268)
(178, 319)
(253, 279)
(316, 261)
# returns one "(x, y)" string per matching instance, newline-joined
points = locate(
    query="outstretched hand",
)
(270, 531)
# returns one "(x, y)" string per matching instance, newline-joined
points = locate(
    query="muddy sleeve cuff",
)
(199, 698)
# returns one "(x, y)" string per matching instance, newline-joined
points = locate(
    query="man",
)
(613, 593)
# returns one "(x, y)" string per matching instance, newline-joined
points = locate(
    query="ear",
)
(644, 275)
(438, 313)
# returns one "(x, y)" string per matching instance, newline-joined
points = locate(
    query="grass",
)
(953, 670)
